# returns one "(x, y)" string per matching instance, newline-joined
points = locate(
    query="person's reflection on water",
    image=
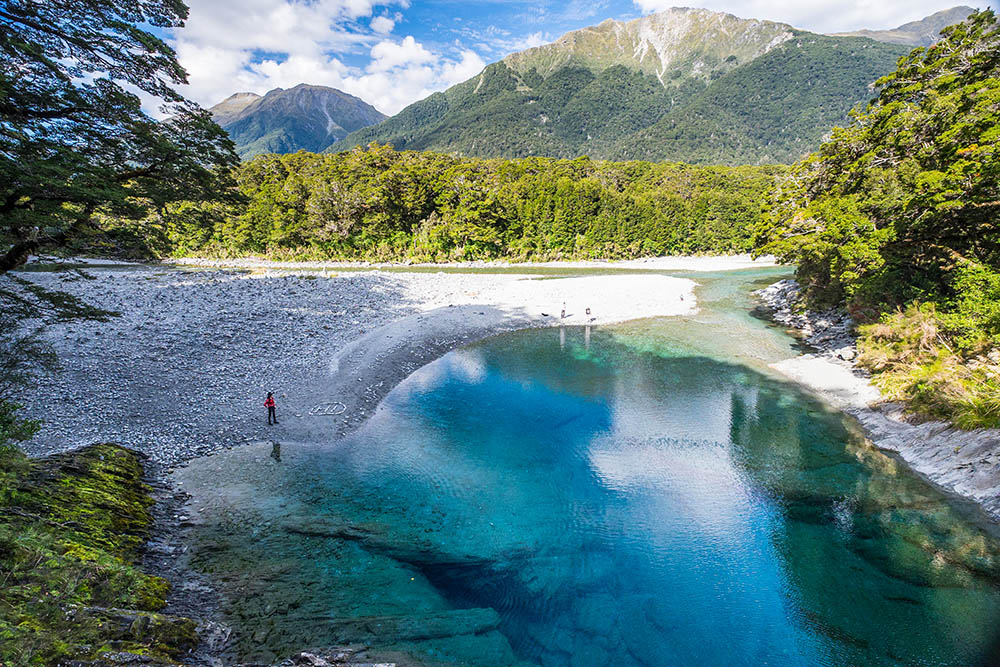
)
(276, 451)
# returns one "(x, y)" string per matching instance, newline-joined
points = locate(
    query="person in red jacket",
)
(269, 404)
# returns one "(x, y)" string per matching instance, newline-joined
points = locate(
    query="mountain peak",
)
(241, 96)
(305, 116)
(229, 108)
(675, 43)
(682, 84)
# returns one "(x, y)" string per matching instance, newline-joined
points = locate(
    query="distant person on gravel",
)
(269, 404)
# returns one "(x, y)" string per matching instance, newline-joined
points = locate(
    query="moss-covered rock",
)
(71, 530)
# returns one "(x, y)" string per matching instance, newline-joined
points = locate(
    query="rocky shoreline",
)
(177, 363)
(966, 463)
(698, 263)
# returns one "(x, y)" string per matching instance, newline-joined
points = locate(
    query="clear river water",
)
(646, 494)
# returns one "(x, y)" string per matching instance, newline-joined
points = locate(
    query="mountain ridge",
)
(683, 84)
(305, 117)
(228, 109)
(923, 32)
(667, 86)
(653, 42)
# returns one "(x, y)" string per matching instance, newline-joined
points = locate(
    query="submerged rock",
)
(964, 462)
(389, 630)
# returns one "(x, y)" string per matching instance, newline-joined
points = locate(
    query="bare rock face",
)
(228, 109)
(683, 40)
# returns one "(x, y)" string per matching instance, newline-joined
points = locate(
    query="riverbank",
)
(176, 363)
(702, 263)
(72, 534)
(180, 370)
(964, 462)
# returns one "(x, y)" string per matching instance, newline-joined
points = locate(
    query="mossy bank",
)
(72, 527)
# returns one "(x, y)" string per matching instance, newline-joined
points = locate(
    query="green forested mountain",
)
(381, 204)
(300, 118)
(897, 217)
(684, 84)
(775, 109)
(916, 33)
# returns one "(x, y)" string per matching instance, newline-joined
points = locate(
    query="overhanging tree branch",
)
(19, 253)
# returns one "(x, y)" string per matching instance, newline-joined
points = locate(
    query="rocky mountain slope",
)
(226, 111)
(670, 45)
(283, 121)
(916, 33)
(774, 109)
(683, 84)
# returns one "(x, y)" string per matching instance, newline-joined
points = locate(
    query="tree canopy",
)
(74, 141)
(382, 204)
(905, 200)
(898, 218)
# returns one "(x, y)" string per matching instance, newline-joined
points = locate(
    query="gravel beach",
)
(183, 370)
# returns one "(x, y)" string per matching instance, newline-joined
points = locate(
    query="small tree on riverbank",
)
(74, 142)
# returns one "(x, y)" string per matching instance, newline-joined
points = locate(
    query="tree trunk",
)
(18, 253)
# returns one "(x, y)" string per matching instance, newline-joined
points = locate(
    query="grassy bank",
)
(915, 358)
(71, 530)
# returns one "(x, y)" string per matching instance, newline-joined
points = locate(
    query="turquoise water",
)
(642, 495)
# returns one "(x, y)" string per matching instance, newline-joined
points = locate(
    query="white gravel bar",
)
(184, 369)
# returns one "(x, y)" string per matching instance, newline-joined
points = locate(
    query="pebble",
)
(830, 331)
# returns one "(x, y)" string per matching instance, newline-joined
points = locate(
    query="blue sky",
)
(393, 54)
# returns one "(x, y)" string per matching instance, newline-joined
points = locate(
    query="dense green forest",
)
(378, 203)
(897, 217)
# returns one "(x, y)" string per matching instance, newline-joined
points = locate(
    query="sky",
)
(393, 53)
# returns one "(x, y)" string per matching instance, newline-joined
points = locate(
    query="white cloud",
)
(528, 42)
(388, 55)
(463, 70)
(820, 15)
(233, 46)
(390, 89)
(383, 25)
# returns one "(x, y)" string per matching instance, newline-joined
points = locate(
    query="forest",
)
(376, 203)
(896, 219)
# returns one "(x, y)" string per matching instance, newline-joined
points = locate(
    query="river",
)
(644, 494)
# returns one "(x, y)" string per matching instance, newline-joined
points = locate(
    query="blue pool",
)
(581, 497)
